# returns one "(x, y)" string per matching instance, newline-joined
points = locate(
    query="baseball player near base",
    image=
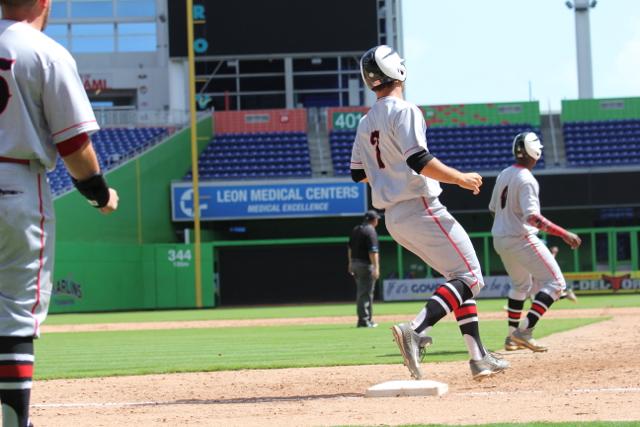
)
(44, 112)
(515, 206)
(390, 153)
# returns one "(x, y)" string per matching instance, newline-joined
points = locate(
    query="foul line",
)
(574, 390)
(298, 398)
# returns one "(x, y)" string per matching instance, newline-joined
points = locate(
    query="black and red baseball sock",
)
(541, 303)
(447, 298)
(467, 317)
(16, 372)
(514, 312)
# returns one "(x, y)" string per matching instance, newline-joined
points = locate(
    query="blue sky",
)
(468, 51)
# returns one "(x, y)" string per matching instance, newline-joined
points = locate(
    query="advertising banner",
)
(604, 282)
(421, 289)
(284, 199)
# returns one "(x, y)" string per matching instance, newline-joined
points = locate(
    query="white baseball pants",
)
(526, 260)
(27, 232)
(426, 228)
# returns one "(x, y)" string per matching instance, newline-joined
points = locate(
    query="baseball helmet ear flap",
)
(380, 65)
(527, 144)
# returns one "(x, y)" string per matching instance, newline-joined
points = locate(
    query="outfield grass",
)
(93, 354)
(380, 308)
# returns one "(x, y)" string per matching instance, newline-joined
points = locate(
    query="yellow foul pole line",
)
(194, 155)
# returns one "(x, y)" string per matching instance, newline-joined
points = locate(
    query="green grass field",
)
(92, 354)
(380, 308)
(108, 353)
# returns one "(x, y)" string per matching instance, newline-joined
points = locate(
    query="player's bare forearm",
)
(437, 170)
(82, 163)
(440, 172)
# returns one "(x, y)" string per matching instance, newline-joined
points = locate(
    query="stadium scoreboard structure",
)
(274, 27)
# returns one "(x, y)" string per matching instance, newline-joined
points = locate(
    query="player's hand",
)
(375, 274)
(470, 181)
(112, 204)
(572, 240)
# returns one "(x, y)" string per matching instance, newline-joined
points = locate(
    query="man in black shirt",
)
(364, 266)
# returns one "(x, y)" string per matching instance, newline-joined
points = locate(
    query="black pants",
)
(365, 286)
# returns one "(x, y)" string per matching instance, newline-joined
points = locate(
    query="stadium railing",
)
(590, 257)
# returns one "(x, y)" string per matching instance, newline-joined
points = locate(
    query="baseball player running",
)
(390, 153)
(44, 111)
(517, 219)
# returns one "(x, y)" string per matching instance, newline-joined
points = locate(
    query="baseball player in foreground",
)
(517, 219)
(390, 153)
(44, 111)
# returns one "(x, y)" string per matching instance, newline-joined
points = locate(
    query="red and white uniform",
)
(42, 103)
(387, 136)
(514, 199)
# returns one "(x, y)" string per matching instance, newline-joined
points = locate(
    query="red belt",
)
(18, 161)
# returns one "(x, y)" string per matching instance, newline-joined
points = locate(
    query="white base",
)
(407, 388)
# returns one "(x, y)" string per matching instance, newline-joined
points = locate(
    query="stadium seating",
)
(255, 156)
(602, 143)
(113, 146)
(466, 148)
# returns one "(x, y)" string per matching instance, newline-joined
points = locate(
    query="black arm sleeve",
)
(358, 175)
(419, 160)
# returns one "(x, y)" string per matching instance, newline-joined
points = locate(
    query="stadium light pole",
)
(194, 155)
(583, 45)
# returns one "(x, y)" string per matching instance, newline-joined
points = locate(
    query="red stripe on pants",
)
(40, 257)
(457, 249)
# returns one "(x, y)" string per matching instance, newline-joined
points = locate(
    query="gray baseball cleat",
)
(524, 337)
(408, 342)
(424, 341)
(511, 345)
(490, 364)
(570, 295)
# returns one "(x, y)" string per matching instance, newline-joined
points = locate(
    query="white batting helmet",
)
(382, 64)
(527, 143)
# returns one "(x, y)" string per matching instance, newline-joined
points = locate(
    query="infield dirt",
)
(590, 373)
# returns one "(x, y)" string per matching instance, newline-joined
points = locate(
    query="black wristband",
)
(95, 189)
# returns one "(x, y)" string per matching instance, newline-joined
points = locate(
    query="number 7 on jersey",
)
(375, 141)
(5, 95)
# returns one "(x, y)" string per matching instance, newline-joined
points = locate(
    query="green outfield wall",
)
(143, 184)
(93, 277)
(600, 109)
(451, 115)
(482, 114)
(123, 261)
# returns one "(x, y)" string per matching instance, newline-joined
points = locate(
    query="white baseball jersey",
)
(387, 136)
(42, 99)
(514, 199)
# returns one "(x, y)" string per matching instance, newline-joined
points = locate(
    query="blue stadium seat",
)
(113, 146)
(255, 156)
(602, 143)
